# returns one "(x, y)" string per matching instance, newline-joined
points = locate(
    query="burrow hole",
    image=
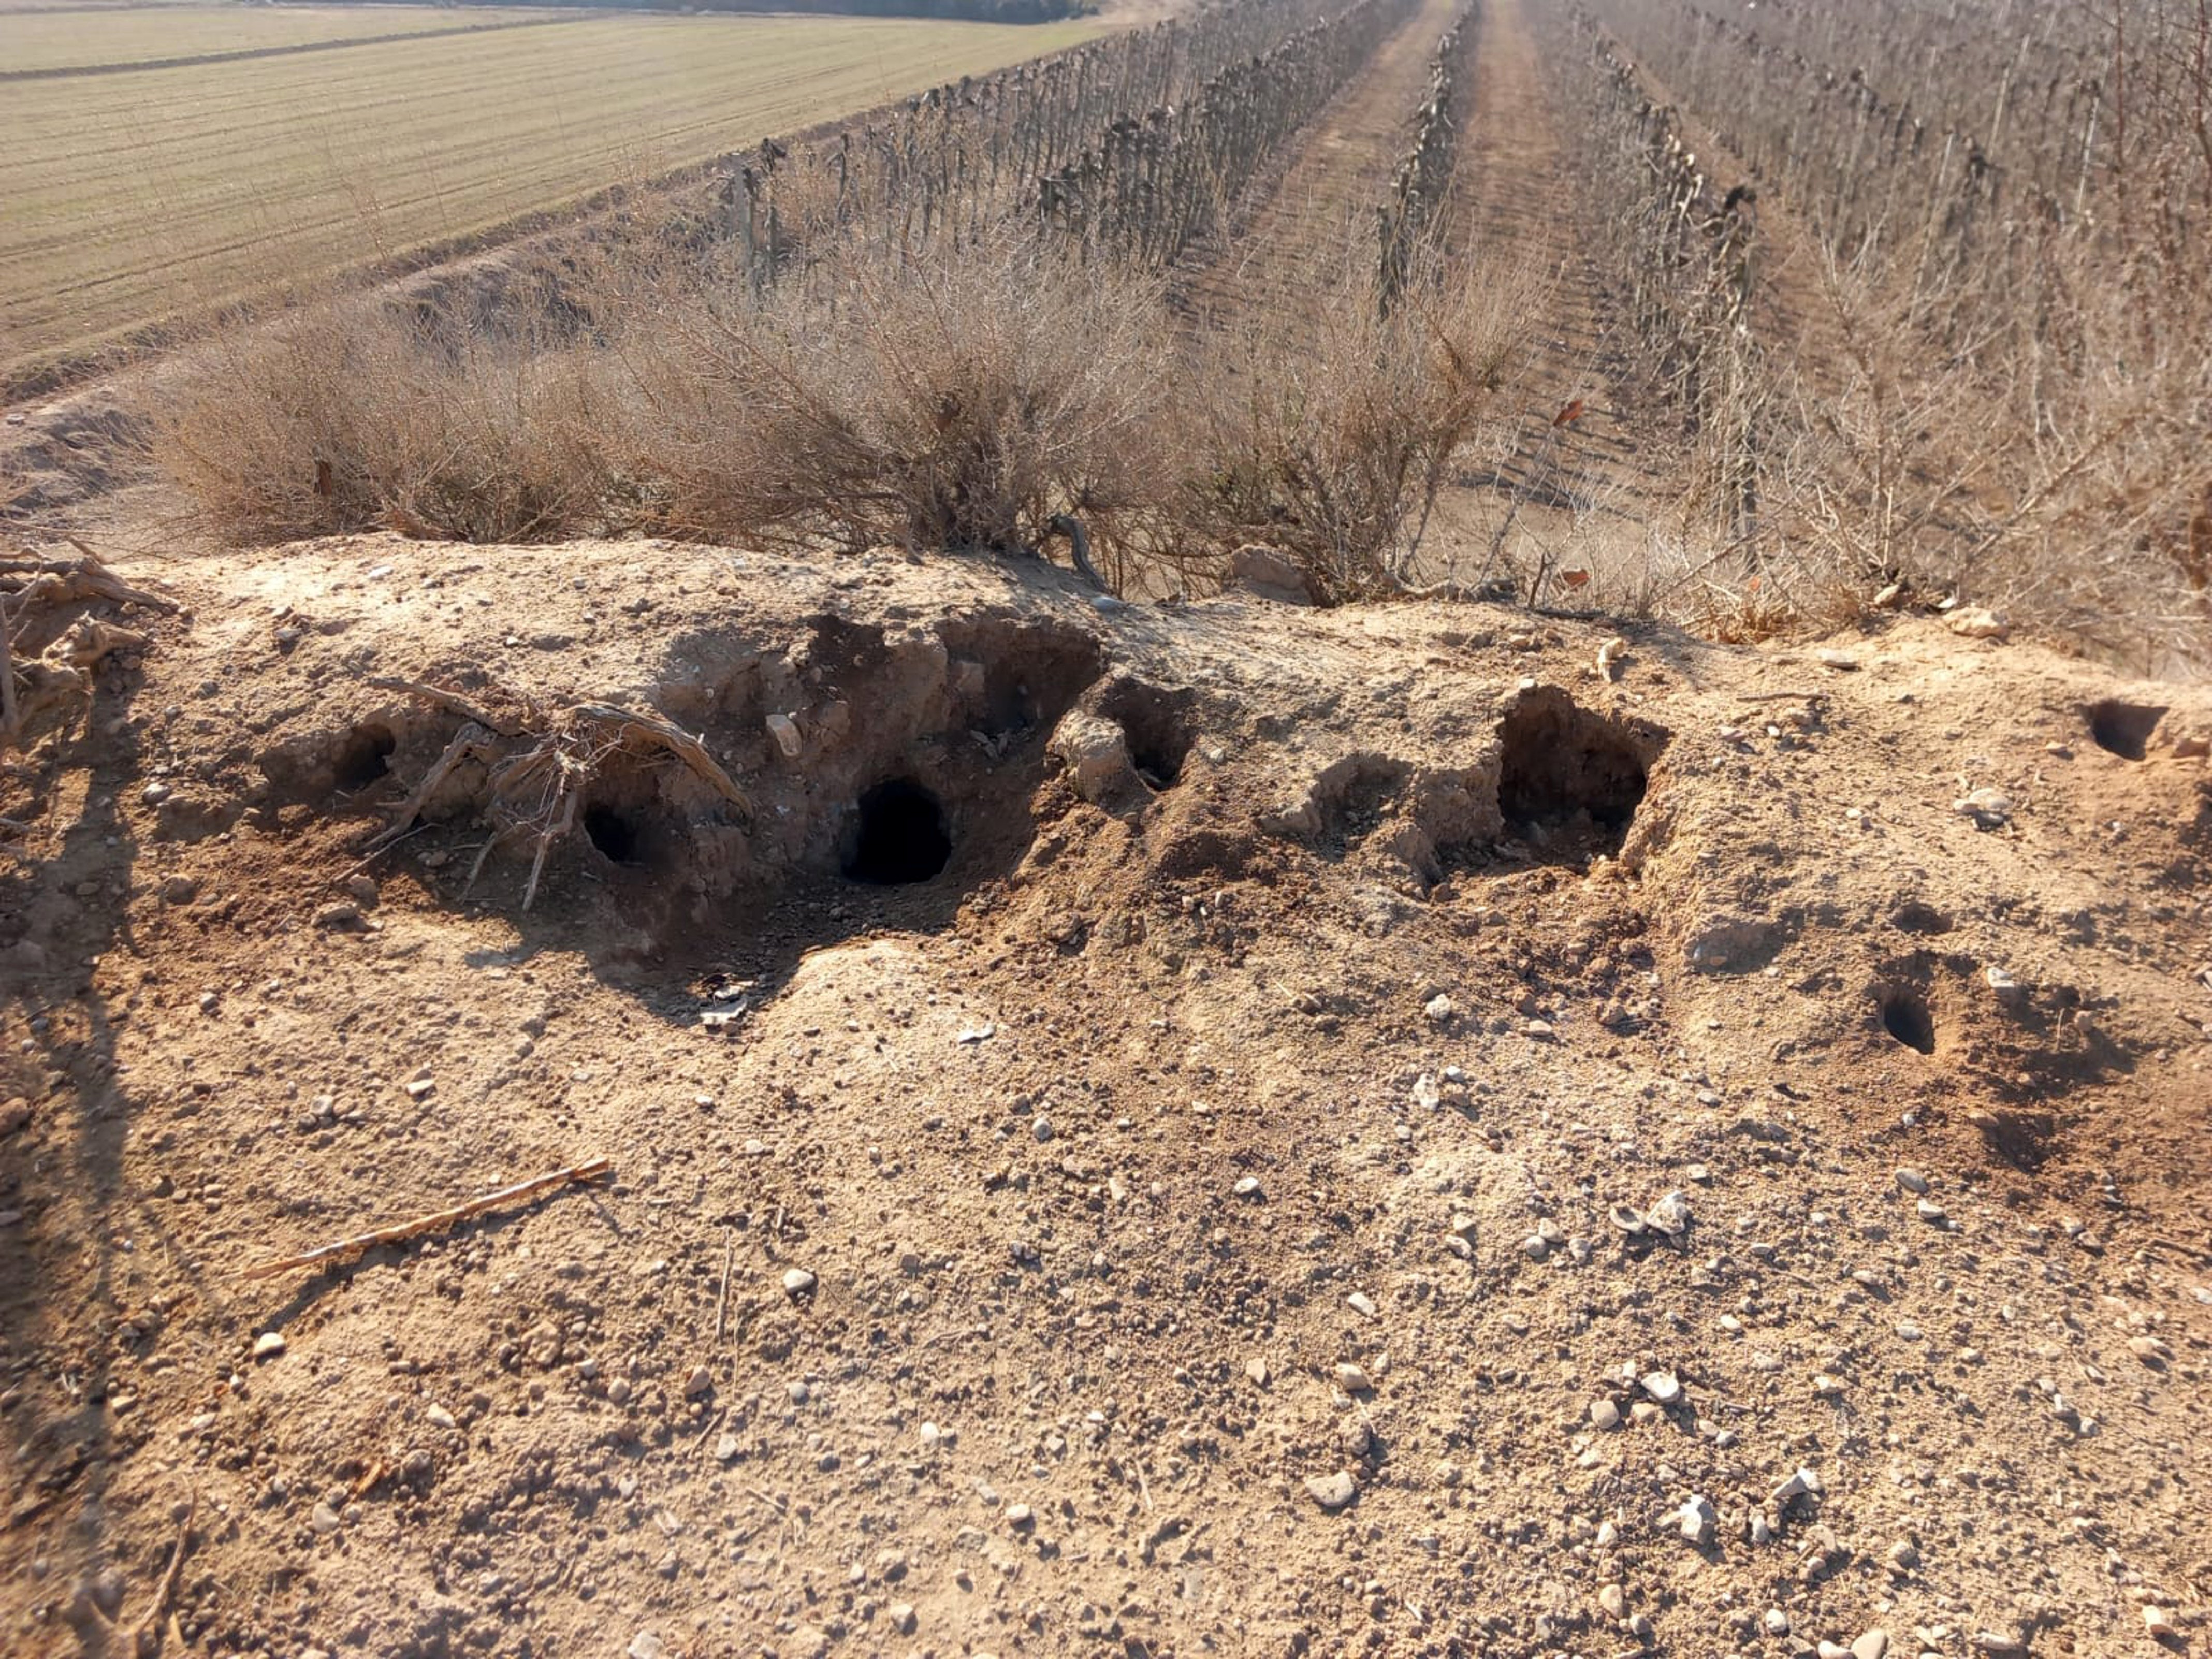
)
(363, 758)
(1905, 1016)
(1570, 780)
(2124, 728)
(900, 836)
(615, 832)
(1157, 726)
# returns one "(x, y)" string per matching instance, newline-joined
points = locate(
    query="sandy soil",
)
(1185, 1223)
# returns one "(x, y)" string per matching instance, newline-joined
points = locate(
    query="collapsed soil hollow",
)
(1569, 779)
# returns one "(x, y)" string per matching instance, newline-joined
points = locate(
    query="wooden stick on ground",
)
(10, 715)
(473, 741)
(676, 740)
(437, 1221)
(146, 1636)
(452, 701)
(722, 1301)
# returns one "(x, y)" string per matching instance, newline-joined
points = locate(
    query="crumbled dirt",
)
(1416, 948)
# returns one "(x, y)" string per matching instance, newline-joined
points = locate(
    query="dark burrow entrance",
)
(613, 833)
(901, 835)
(362, 758)
(1157, 723)
(2124, 728)
(1905, 1016)
(1569, 781)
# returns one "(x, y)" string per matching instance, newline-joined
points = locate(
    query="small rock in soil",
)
(1332, 1492)
(1697, 1517)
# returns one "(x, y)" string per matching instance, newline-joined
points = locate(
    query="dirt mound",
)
(1182, 1127)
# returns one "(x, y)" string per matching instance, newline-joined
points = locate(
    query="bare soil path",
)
(1321, 212)
(1593, 481)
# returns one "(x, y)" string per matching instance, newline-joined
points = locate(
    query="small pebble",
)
(1332, 1492)
(1696, 1518)
(268, 1345)
(1361, 1303)
(1604, 1414)
(1354, 1379)
(1663, 1387)
(797, 1281)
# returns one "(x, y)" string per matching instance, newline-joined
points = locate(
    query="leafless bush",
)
(954, 402)
(352, 414)
(2001, 386)
(1331, 443)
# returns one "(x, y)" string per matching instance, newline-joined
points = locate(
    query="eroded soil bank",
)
(1145, 1127)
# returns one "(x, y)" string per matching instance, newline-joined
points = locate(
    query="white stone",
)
(1696, 1518)
(1332, 1492)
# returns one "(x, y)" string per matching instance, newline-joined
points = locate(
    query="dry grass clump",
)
(353, 414)
(959, 402)
(951, 403)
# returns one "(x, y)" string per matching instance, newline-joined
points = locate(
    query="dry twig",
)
(454, 701)
(436, 1222)
(146, 1635)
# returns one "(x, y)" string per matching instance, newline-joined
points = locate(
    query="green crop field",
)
(47, 41)
(139, 195)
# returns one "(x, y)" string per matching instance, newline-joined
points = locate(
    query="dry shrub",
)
(1330, 443)
(2048, 465)
(353, 414)
(957, 401)
(960, 401)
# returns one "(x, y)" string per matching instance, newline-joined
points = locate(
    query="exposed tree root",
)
(64, 670)
(538, 790)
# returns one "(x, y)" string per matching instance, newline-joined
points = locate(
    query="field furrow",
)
(136, 196)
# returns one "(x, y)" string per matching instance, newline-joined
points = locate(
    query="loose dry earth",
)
(1183, 1224)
